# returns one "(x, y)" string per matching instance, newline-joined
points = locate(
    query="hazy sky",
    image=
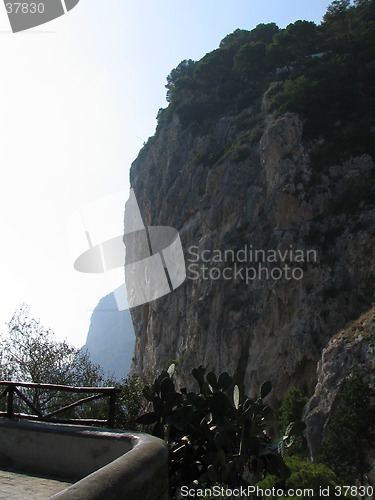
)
(78, 97)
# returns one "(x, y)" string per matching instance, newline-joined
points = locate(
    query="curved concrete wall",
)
(108, 464)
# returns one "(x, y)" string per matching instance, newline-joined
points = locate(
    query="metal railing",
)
(14, 389)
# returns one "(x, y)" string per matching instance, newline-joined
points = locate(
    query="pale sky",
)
(78, 97)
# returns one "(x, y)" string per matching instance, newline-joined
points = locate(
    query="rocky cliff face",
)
(351, 349)
(249, 198)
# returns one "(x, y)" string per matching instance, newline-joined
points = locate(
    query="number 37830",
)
(24, 8)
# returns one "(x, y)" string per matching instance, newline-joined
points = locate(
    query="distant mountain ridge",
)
(110, 339)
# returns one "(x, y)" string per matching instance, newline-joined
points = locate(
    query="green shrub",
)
(291, 408)
(304, 475)
(130, 403)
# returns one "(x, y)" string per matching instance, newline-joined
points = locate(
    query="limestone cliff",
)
(251, 181)
(264, 162)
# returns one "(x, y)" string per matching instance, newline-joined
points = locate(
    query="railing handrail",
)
(66, 388)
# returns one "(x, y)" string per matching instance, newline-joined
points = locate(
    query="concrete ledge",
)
(142, 473)
(109, 464)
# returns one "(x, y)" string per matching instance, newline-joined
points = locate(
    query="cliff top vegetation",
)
(324, 73)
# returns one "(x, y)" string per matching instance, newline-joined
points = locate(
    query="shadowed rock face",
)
(223, 189)
(350, 349)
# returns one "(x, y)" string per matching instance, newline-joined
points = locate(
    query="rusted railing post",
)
(10, 411)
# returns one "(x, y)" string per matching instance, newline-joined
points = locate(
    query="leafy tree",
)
(249, 61)
(298, 40)
(363, 26)
(350, 431)
(337, 9)
(235, 40)
(264, 33)
(214, 68)
(29, 353)
(277, 56)
(337, 25)
(180, 77)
